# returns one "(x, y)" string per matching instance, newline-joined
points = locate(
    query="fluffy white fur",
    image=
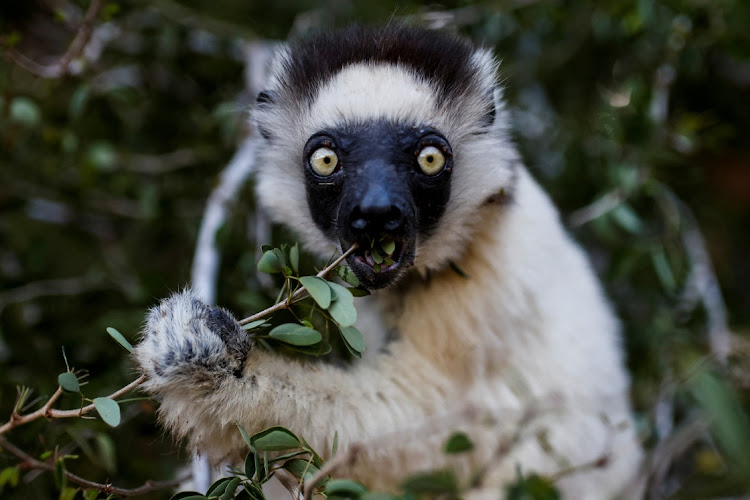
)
(529, 327)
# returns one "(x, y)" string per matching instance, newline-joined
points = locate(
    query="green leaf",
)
(353, 338)
(254, 324)
(250, 465)
(346, 274)
(342, 309)
(61, 480)
(109, 410)
(78, 101)
(295, 334)
(303, 469)
(231, 488)
(318, 289)
(532, 488)
(275, 439)
(663, 270)
(345, 487)
(389, 247)
(188, 495)
(90, 494)
(431, 484)
(120, 338)
(270, 263)
(729, 423)
(359, 292)
(10, 476)
(245, 436)
(294, 257)
(626, 218)
(458, 442)
(68, 493)
(218, 487)
(25, 112)
(376, 256)
(69, 382)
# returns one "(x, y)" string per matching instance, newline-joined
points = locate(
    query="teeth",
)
(368, 258)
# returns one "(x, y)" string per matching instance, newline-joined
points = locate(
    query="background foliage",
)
(634, 115)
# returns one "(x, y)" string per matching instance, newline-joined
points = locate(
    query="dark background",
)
(105, 170)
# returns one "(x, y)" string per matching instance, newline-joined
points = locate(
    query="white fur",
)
(528, 327)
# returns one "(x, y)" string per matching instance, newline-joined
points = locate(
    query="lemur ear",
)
(493, 101)
(266, 98)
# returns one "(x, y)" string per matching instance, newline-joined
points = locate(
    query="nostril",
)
(382, 219)
(393, 219)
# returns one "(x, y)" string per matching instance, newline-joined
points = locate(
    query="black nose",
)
(377, 212)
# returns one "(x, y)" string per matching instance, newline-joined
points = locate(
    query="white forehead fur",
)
(484, 159)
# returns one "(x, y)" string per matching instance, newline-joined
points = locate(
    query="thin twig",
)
(284, 304)
(596, 209)
(49, 412)
(107, 488)
(75, 49)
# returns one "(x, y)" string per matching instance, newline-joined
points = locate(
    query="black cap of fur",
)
(442, 59)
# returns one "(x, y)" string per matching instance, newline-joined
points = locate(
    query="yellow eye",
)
(431, 160)
(324, 161)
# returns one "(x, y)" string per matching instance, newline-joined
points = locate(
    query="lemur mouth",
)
(377, 263)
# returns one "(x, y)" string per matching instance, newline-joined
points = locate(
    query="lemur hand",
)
(183, 337)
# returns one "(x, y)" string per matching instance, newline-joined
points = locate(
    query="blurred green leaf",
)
(109, 410)
(69, 382)
(275, 439)
(295, 334)
(318, 289)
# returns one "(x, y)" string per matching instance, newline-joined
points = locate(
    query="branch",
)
(596, 209)
(284, 304)
(76, 48)
(107, 488)
(48, 412)
(206, 259)
(44, 288)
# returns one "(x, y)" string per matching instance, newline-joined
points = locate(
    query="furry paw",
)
(184, 338)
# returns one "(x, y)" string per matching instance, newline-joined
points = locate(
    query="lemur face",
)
(390, 141)
(380, 185)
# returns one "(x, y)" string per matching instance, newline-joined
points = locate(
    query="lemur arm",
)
(209, 375)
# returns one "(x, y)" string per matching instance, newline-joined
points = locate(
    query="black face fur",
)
(378, 193)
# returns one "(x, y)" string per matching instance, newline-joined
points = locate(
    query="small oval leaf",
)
(295, 334)
(270, 263)
(109, 410)
(459, 442)
(120, 339)
(188, 495)
(231, 488)
(302, 469)
(253, 324)
(318, 289)
(345, 488)
(353, 338)
(69, 382)
(275, 439)
(218, 487)
(294, 257)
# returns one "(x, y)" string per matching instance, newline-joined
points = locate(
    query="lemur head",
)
(392, 139)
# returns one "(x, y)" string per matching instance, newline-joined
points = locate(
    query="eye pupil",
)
(430, 159)
(327, 160)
